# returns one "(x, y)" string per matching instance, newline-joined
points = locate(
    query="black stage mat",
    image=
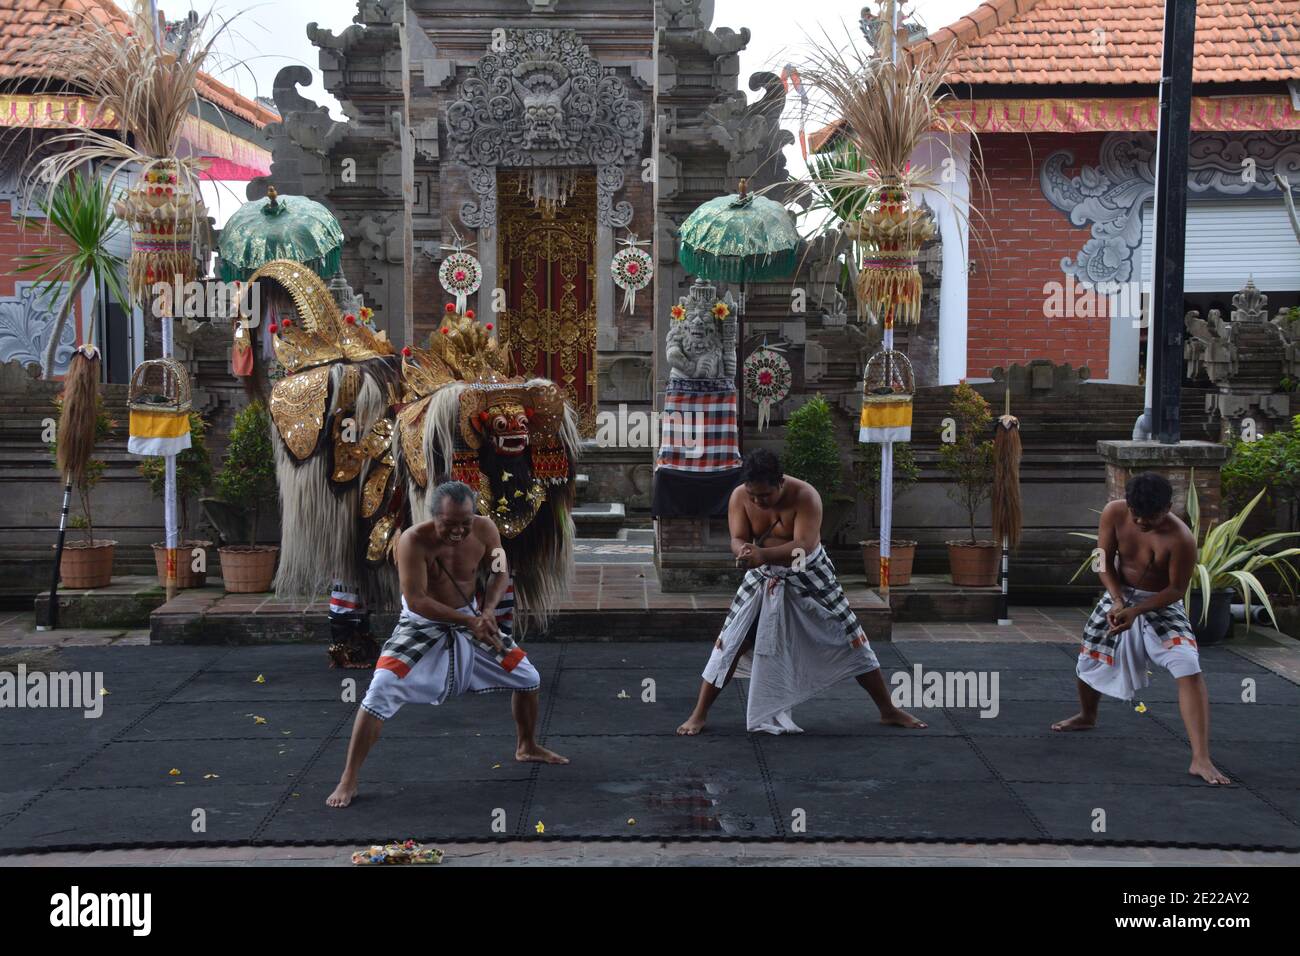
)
(241, 745)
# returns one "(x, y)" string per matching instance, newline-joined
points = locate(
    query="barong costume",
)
(806, 638)
(1117, 664)
(426, 662)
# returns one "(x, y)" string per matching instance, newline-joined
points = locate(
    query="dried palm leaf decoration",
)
(146, 87)
(884, 110)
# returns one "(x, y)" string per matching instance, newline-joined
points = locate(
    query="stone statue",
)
(700, 346)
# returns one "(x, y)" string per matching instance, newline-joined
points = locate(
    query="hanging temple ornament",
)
(633, 269)
(767, 379)
(887, 392)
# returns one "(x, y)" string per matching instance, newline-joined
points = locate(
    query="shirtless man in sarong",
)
(775, 524)
(443, 646)
(1147, 559)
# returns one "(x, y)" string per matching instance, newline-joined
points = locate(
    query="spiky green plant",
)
(81, 208)
(1227, 559)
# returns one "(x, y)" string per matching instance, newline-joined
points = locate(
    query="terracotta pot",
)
(248, 569)
(973, 564)
(901, 555)
(186, 576)
(86, 565)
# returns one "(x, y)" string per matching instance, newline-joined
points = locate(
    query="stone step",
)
(599, 519)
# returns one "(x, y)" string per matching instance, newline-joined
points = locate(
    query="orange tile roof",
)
(22, 21)
(1117, 42)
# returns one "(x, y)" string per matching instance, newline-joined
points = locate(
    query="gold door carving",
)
(547, 263)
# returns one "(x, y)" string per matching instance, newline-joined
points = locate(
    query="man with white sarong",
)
(447, 643)
(790, 629)
(1147, 558)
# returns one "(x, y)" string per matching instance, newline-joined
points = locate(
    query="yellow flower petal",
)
(260, 679)
(631, 821)
(103, 692)
(541, 827)
(259, 720)
(174, 772)
(1141, 708)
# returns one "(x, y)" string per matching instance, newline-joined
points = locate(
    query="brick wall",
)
(16, 241)
(1018, 242)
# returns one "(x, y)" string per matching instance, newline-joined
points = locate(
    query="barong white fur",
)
(807, 639)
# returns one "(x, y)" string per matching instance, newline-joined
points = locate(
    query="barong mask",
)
(511, 439)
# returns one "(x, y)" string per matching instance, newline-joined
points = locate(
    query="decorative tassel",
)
(76, 439)
(887, 281)
(1006, 504)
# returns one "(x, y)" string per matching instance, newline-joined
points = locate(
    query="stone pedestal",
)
(694, 554)
(1200, 461)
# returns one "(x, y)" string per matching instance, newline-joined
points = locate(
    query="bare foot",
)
(691, 727)
(343, 794)
(901, 718)
(1208, 772)
(1077, 722)
(536, 753)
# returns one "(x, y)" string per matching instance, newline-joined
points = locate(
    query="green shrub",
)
(968, 458)
(811, 452)
(1270, 463)
(247, 479)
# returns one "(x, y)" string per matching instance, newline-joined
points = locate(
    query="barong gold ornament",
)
(372, 495)
(510, 525)
(298, 409)
(410, 426)
(382, 538)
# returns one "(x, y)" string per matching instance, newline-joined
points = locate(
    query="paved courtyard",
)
(225, 755)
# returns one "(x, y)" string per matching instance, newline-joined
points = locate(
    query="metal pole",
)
(1165, 336)
(169, 476)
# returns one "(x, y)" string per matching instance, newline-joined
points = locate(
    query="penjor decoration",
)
(148, 83)
(886, 103)
(633, 269)
(767, 379)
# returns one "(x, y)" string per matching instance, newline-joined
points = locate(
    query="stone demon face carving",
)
(542, 88)
(506, 426)
(701, 334)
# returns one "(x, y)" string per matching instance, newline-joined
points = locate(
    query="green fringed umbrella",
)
(280, 227)
(740, 238)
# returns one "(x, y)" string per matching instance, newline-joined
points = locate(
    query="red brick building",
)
(225, 128)
(1062, 98)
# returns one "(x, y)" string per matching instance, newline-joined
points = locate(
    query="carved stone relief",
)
(1111, 194)
(542, 100)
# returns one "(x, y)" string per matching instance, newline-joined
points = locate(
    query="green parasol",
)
(280, 227)
(740, 238)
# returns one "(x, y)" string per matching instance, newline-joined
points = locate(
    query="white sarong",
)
(805, 639)
(447, 662)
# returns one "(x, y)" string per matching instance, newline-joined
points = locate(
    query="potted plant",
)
(966, 457)
(87, 562)
(193, 475)
(1228, 562)
(247, 481)
(812, 454)
(866, 476)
